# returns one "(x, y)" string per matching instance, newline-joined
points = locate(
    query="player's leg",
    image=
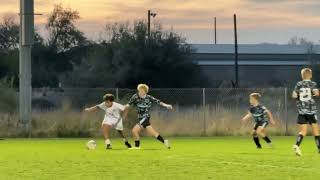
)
(119, 127)
(255, 136)
(105, 131)
(261, 131)
(136, 135)
(155, 134)
(303, 129)
(315, 131)
(302, 124)
(312, 120)
(143, 122)
(125, 140)
(256, 139)
(302, 134)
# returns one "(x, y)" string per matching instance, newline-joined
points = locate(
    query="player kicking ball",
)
(112, 119)
(143, 103)
(260, 114)
(304, 92)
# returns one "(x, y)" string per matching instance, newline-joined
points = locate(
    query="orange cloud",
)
(185, 15)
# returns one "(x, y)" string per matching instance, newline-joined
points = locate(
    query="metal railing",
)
(202, 111)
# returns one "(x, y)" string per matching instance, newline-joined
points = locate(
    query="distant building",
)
(260, 65)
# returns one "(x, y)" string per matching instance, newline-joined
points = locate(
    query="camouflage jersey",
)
(259, 113)
(305, 101)
(143, 105)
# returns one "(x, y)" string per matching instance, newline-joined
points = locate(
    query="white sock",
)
(107, 141)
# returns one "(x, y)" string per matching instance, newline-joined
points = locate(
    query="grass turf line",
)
(190, 158)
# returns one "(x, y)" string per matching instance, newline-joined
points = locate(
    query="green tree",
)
(62, 31)
(9, 52)
(9, 34)
(127, 58)
(66, 45)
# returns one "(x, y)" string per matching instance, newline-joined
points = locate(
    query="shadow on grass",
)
(147, 149)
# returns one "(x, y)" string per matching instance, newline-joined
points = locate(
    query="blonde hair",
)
(256, 96)
(306, 73)
(143, 87)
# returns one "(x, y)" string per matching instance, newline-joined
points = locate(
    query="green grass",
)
(190, 158)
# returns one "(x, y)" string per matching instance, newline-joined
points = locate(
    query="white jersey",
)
(113, 114)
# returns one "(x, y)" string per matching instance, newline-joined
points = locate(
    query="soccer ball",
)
(91, 145)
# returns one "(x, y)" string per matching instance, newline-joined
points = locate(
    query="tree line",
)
(123, 58)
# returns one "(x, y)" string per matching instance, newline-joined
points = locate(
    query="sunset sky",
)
(272, 21)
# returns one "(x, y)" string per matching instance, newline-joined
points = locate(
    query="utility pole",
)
(26, 41)
(149, 12)
(215, 30)
(149, 21)
(236, 65)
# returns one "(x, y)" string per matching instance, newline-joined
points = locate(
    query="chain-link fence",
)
(59, 112)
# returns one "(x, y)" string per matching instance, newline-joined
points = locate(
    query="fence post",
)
(117, 94)
(204, 111)
(286, 110)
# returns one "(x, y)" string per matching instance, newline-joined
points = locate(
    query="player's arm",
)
(246, 117)
(315, 90)
(295, 94)
(168, 106)
(157, 101)
(273, 122)
(91, 109)
(125, 111)
(131, 102)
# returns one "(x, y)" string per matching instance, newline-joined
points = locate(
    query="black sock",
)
(127, 144)
(137, 143)
(299, 139)
(267, 139)
(256, 140)
(317, 139)
(160, 138)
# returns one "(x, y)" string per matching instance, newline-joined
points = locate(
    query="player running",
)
(304, 92)
(143, 103)
(260, 114)
(112, 119)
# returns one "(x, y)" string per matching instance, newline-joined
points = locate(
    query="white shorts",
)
(116, 124)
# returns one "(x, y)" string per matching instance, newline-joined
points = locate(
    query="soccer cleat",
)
(297, 150)
(270, 145)
(109, 146)
(134, 148)
(167, 144)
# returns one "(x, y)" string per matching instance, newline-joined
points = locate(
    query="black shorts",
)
(263, 124)
(307, 119)
(144, 122)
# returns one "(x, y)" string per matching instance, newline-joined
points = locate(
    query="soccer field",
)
(189, 158)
